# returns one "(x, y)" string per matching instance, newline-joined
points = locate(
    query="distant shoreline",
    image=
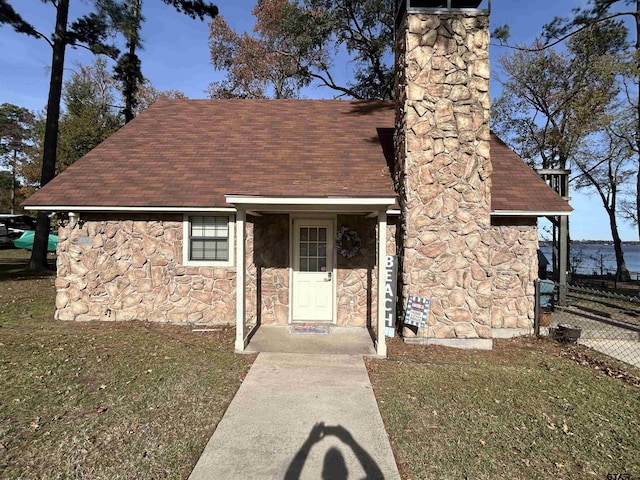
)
(591, 242)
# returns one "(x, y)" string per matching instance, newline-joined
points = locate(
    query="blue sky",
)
(176, 56)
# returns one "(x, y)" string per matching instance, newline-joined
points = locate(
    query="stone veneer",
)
(515, 268)
(267, 263)
(357, 277)
(130, 268)
(443, 169)
(114, 267)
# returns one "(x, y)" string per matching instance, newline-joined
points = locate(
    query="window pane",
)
(313, 234)
(313, 250)
(313, 265)
(322, 234)
(217, 250)
(303, 265)
(209, 238)
(209, 227)
(197, 227)
(221, 226)
(222, 251)
(322, 264)
(197, 250)
(304, 234)
(210, 250)
(214, 229)
(303, 250)
(322, 250)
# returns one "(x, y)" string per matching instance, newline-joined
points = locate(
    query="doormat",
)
(309, 329)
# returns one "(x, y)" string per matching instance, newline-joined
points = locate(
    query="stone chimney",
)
(443, 166)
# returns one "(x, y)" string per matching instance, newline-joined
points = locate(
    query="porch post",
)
(240, 283)
(563, 257)
(381, 345)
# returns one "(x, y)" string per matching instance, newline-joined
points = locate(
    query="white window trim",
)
(186, 241)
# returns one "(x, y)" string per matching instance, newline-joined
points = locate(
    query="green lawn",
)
(525, 410)
(104, 400)
(132, 400)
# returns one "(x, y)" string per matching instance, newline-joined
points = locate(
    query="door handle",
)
(328, 279)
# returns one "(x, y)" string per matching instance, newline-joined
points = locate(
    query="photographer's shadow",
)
(334, 466)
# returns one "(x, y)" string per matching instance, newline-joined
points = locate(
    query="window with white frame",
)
(208, 240)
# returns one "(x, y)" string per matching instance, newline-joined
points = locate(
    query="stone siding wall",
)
(268, 269)
(515, 268)
(443, 157)
(357, 277)
(113, 267)
(357, 288)
(251, 308)
(392, 233)
(130, 268)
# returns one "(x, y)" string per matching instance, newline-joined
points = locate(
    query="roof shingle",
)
(191, 153)
(516, 187)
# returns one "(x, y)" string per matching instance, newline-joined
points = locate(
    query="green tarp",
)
(26, 241)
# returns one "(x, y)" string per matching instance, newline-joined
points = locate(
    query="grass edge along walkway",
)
(105, 400)
(526, 409)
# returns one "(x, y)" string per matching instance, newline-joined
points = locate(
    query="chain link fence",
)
(604, 321)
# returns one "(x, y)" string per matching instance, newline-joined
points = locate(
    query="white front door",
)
(312, 271)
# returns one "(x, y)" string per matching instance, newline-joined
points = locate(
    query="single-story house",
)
(253, 212)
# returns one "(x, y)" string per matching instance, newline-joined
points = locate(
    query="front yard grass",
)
(525, 410)
(104, 400)
(132, 400)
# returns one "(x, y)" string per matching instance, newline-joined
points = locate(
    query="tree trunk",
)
(638, 116)
(568, 248)
(128, 98)
(555, 222)
(13, 182)
(131, 83)
(638, 174)
(41, 237)
(622, 274)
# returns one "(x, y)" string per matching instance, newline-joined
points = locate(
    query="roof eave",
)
(530, 213)
(113, 208)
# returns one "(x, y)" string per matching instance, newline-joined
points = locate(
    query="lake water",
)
(587, 259)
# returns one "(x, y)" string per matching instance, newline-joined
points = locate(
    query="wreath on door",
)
(347, 242)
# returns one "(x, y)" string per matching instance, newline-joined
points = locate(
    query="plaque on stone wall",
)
(84, 241)
(417, 311)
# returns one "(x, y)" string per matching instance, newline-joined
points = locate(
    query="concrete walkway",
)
(609, 336)
(300, 416)
(627, 351)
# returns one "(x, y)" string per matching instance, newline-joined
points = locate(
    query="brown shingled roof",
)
(516, 187)
(191, 153)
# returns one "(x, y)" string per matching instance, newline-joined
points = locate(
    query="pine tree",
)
(90, 31)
